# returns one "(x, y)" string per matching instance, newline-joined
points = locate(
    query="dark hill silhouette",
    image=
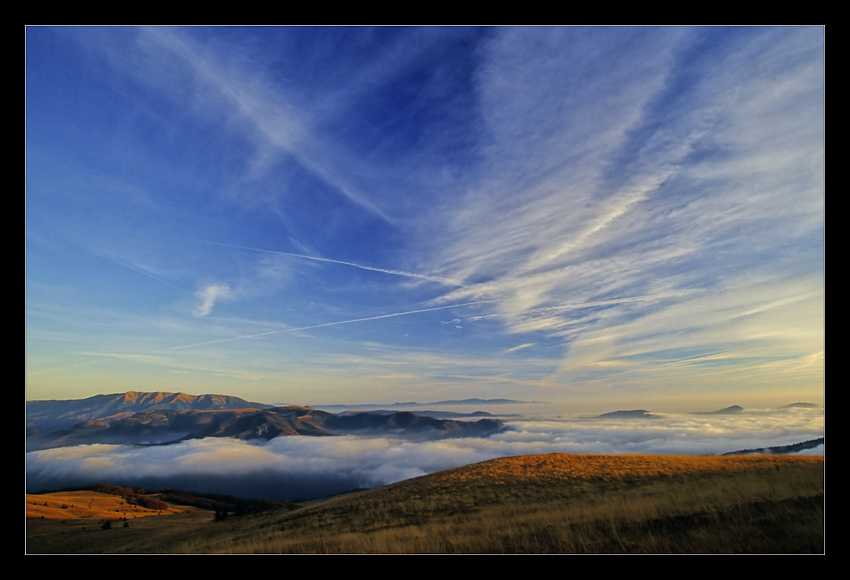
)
(633, 414)
(782, 449)
(476, 401)
(264, 424)
(408, 422)
(726, 411)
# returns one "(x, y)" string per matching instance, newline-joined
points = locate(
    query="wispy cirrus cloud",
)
(669, 193)
(229, 86)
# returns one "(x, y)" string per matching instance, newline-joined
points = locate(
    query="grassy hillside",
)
(87, 506)
(95, 522)
(554, 503)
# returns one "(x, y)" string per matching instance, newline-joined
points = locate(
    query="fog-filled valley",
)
(307, 467)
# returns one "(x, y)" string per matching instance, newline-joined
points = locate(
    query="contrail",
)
(118, 261)
(285, 330)
(326, 324)
(444, 281)
(408, 313)
(570, 306)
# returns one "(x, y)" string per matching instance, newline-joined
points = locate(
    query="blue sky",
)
(610, 217)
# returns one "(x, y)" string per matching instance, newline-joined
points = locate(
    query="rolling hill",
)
(534, 504)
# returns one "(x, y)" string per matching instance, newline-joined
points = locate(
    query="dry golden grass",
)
(560, 504)
(76, 522)
(86, 505)
(554, 503)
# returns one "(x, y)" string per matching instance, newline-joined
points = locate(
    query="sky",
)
(601, 218)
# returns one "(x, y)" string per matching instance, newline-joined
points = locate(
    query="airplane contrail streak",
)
(445, 281)
(326, 324)
(120, 262)
(408, 313)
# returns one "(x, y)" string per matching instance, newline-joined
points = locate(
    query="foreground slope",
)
(563, 503)
(555, 503)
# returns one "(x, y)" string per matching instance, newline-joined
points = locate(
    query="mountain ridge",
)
(165, 418)
(54, 414)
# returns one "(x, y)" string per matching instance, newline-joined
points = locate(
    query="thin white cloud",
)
(209, 295)
(519, 347)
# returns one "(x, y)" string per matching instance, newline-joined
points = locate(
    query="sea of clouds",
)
(298, 468)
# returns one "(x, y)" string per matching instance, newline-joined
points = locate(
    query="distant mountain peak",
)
(633, 414)
(42, 416)
(727, 411)
(476, 401)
